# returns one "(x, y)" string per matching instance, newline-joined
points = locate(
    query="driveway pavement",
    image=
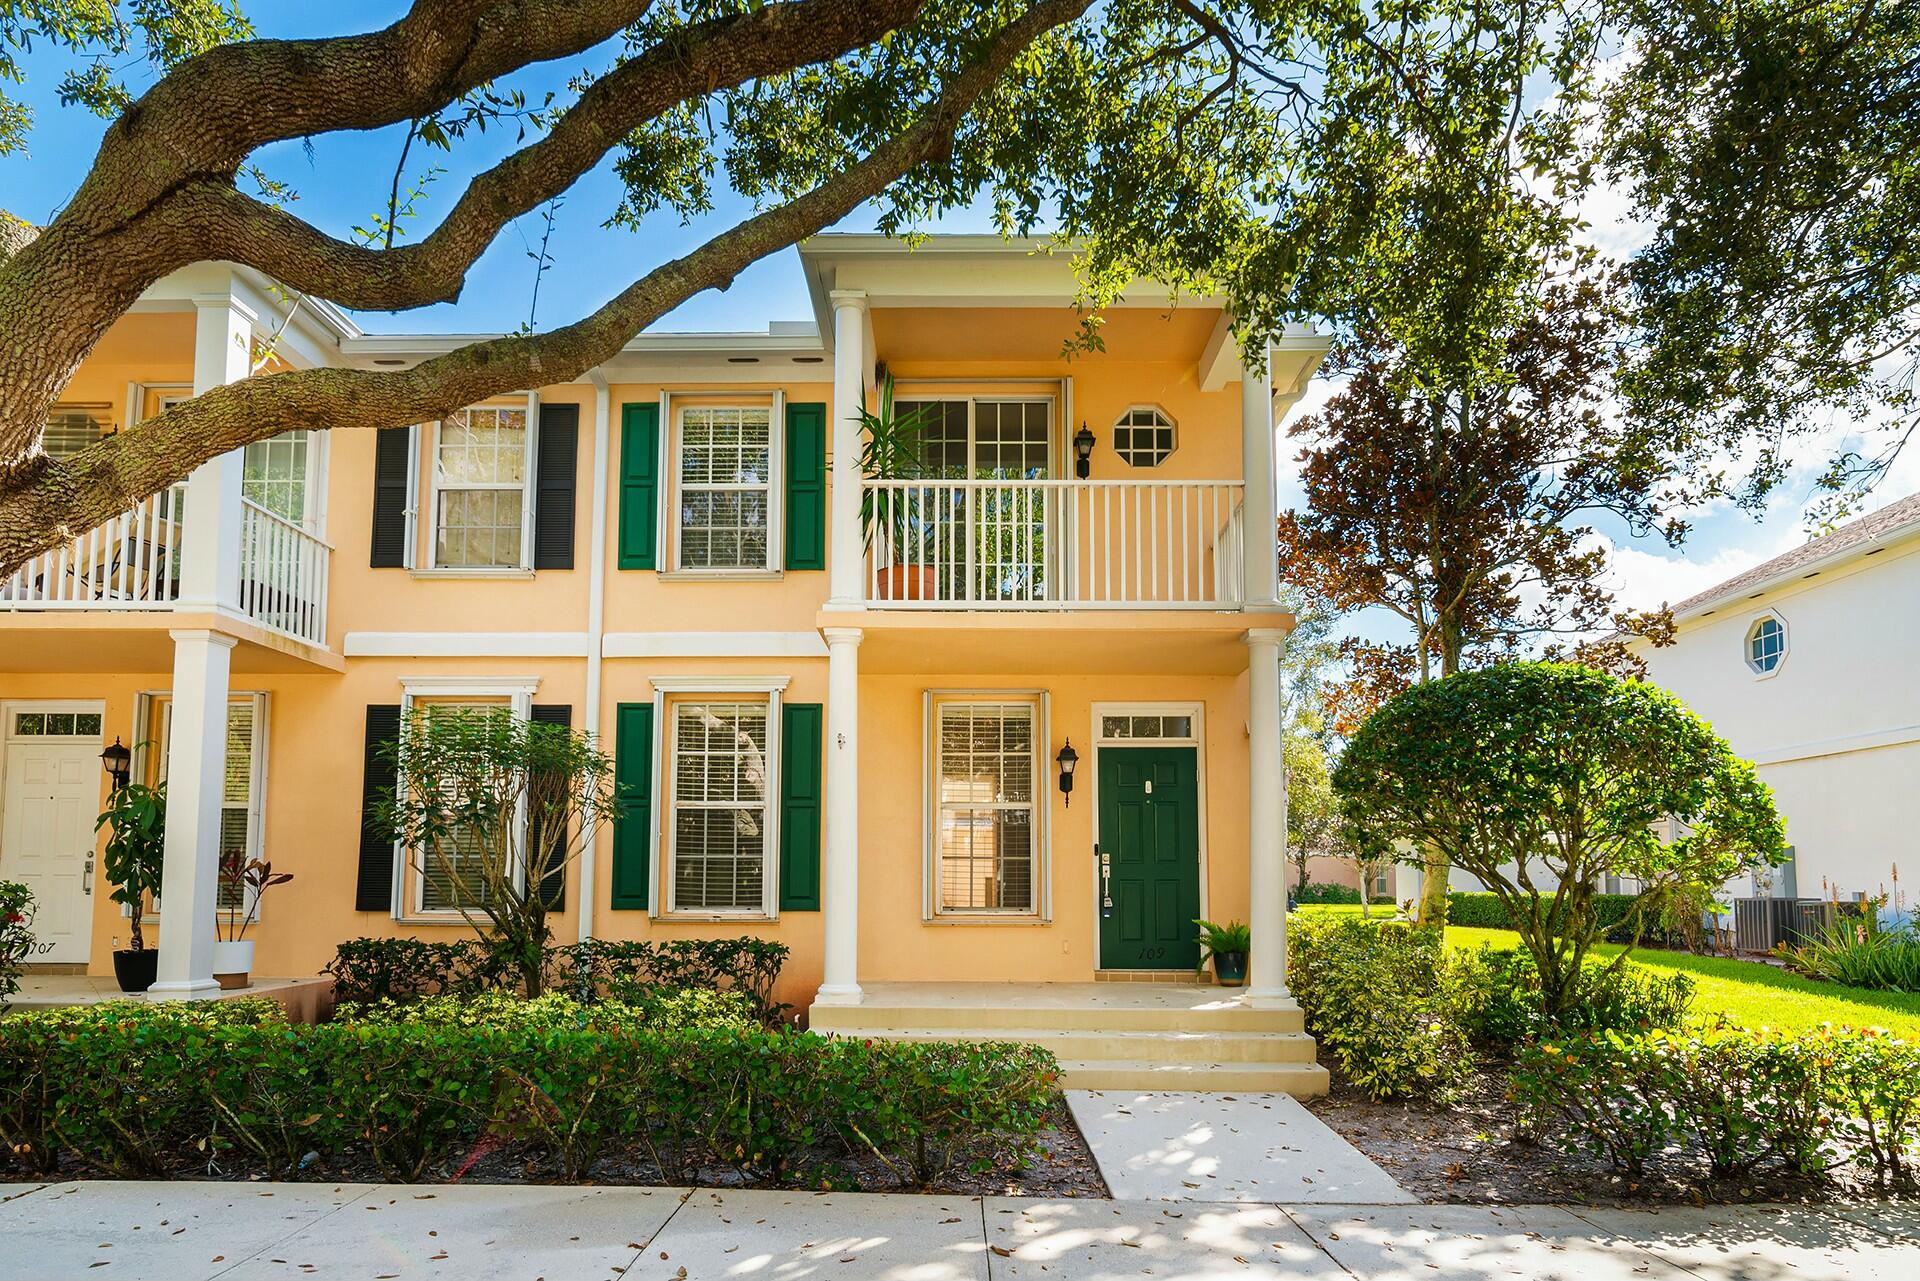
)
(182, 1231)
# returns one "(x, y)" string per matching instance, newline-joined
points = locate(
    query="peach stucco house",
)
(669, 553)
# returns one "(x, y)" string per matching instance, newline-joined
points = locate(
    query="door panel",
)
(1150, 836)
(46, 840)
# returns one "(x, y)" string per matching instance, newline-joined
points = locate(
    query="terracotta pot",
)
(232, 964)
(136, 970)
(1230, 968)
(909, 582)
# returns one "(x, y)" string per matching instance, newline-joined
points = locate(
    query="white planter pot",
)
(232, 963)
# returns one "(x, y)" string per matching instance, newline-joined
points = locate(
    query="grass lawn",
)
(1751, 993)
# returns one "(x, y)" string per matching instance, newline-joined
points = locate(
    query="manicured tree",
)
(494, 808)
(1540, 779)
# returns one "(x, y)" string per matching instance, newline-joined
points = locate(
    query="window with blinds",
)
(240, 786)
(71, 428)
(719, 806)
(725, 487)
(480, 478)
(453, 875)
(984, 842)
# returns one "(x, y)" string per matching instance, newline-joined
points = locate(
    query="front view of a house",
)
(1012, 714)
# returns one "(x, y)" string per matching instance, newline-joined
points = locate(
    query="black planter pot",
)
(1230, 968)
(135, 970)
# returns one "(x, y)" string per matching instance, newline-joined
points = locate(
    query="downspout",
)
(596, 622)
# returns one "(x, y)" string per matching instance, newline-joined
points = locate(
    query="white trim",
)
(1042, 911)
(671, 450)
(1160, 411)
(466, 645)
(468, 687)
(720, 684)
(528, 458)
(596, 626)
(713, 645)
(508, 574)
(690, 687)
(1895, 736)
(88, 706)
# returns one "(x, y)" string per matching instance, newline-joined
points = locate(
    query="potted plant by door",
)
(1227, 946)
(243, 883)
(890, 449)
(136, 816)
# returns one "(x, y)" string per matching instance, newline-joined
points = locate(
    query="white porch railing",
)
(133, 562)
(1053, 544)
(283, 574)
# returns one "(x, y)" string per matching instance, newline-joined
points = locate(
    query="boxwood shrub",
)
(1749, 1100)
(132, 1090)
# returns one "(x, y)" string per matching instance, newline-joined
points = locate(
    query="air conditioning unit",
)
(1759, 924)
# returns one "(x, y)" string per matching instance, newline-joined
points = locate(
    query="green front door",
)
(1150, 846)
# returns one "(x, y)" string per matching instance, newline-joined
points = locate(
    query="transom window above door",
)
(725, 475)
(480, 469)
(986, 439)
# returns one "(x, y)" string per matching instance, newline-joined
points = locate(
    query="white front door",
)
(52, 790)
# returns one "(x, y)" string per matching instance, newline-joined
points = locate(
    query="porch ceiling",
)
(1092, 642)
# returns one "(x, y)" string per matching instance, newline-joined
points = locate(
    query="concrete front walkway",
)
(178, 1231)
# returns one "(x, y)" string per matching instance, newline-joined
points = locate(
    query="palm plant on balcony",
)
(891, 449)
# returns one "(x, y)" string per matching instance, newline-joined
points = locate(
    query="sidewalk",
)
(177, 1231)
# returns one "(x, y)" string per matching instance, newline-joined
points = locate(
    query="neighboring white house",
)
(1806, 664)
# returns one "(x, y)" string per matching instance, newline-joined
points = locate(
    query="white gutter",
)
(596, 621)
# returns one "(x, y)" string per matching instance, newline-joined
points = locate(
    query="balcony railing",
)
(132, 562)
(1053, 544)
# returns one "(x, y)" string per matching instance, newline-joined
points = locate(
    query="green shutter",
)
(806, 462)
(800, 738)
(633, 830)
(639, 486)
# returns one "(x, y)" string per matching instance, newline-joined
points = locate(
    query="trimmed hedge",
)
(1316, 892)
(368, 970)
(1750, 1101)
(1481, 909)
(132, 1090)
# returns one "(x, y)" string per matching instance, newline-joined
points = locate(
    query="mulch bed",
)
(1469, 1154)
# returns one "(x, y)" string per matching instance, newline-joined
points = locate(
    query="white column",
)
(1266, 820)
(202, 661)
(840, 875)
(196, 766)
(1261, 563)
(847, 562)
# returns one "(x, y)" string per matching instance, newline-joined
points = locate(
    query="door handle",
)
(86, 878)
(1106, 880)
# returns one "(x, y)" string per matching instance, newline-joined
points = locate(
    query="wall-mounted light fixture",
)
(118, 761)
(1083, 452)
(1066, 760)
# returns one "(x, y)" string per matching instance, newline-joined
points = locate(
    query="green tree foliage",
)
(494, 809)
(1772, 145)
(1542, 779)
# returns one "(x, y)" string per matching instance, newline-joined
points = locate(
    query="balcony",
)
(994, 544)
(133, 563)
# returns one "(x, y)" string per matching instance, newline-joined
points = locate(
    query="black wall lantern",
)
(1083, 452)
(1066, 760)
(119, 763)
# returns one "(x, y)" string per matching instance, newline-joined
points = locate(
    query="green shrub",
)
(16, 934)
(1316, 892)
(1855, 949)
(418, 1088)
(1749, 1101)
(1494, 994)
(370, 970)
(1372, 995)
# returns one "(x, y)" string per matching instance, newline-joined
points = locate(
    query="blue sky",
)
(341, 180)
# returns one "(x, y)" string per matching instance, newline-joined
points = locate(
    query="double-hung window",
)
(242, 784)
(481, 462)
(453, 875)
(986, 841)
(725, 474)
(720, 807)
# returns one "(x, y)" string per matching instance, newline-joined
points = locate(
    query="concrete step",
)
(1102, 1043)
(1107, 1007)
(1302, 1080)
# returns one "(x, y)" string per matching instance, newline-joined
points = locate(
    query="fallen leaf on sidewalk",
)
(1001, 1250)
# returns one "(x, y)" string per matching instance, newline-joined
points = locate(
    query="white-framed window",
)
(1157, 725)
(987, 823)
(429, 890)
(720, 804)
(482, 509)
(243, 783)
(276, 473)
(725, 487)
(1143, 436)
(1766, 644)
(72, 427)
